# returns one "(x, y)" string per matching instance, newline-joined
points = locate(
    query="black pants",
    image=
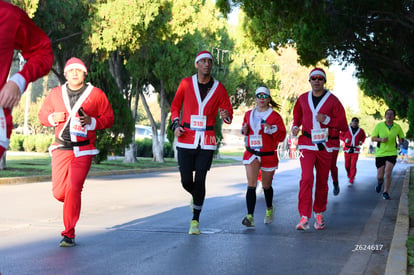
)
(198, 160)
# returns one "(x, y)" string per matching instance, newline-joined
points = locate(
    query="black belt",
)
(71, 143)
(321, 147)
(260, 154)
(306, 134)
(208, 128)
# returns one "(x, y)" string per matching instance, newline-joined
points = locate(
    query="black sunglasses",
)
(320, 78)
(262, 96)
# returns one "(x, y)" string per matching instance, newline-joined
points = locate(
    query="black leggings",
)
(196, 187)
(198, 160)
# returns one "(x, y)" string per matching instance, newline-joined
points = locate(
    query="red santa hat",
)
(317, 71)
(75, 63)
(203, 54)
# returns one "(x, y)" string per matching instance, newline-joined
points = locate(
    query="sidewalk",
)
(397, 258)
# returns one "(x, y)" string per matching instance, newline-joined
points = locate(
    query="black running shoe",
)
(386, 196)
(67, 242)
(336, 189)
(378, 187)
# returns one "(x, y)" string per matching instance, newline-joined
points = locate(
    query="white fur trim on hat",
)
(317, 71)
(203, 54)
(262, 90)
(75, 63)
(75, 66)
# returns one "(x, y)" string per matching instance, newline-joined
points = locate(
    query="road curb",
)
(397, 257)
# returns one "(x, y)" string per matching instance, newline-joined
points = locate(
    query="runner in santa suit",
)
(76, 110)
(264, 129)
(334, 136)
(353, 139)
(18, 32)
(194, 109)
(293, 143)
(316, 112)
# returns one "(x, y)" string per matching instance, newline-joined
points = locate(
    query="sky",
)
(346, 86)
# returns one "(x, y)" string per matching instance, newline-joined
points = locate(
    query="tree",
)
(69, 32)
(278, 70)
(30, 6)
(158, 41)
(117, 28)
(66, 30)
(374, 36)
(115, 139)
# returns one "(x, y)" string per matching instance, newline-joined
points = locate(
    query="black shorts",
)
(380, 161)
(194, 159)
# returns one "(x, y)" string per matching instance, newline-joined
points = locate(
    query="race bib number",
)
(255, 141)
(320, 135)
(198, 123)
(76, 128)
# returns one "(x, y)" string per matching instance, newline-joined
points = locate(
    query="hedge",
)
(41, 142)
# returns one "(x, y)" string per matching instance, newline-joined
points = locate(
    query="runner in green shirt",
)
(386, 134)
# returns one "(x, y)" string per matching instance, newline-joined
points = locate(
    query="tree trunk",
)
(131, 151)
(157, 150)
(115, 68)
(157, 146)
(175, 148)
(165, 109)
(3, 161)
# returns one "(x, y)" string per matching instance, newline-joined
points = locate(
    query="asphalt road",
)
(138, 224)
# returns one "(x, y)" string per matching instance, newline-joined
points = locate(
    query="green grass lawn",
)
(40, 165)
(238, 152)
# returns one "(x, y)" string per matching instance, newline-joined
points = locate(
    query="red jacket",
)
(304, 114)
(17, 31)
(353, 140)
(187, 102)
(94, 103)
(270, 141)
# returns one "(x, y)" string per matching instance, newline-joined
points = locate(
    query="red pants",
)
(350, 165)
(321, 161)
(68, 176)
(334, 169)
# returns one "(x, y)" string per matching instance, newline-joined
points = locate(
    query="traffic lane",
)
(155, 245)
(158, 242)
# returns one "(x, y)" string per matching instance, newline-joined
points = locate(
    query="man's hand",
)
(178, 132)
(9, 95)
(58, 117)
(84, 118)
(245, 129)
(224, 114)
(295, 131)
(320, 117)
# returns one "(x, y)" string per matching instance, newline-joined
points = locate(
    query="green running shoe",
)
(248, 221)
(194, 229)
(269, 215)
